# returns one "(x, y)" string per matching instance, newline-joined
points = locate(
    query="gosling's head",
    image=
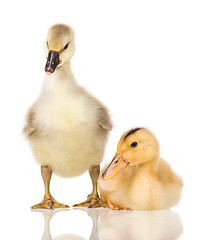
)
(59, 46)
(136, 146)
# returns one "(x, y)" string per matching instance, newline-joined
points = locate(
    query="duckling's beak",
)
(52, 62)
(115, 166)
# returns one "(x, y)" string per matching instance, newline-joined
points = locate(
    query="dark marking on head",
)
(132, 132)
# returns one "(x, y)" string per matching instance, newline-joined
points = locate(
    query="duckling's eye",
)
(66, 46)
(134, 144)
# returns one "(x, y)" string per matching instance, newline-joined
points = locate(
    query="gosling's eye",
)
(134, 144)
(66, 46)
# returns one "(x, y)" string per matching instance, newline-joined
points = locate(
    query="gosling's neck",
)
(60, 83)
(60, 80)
(64, 72)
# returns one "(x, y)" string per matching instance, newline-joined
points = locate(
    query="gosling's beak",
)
(52, 62)
(115, 166)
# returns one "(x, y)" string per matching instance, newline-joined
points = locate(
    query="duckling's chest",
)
(143, 190)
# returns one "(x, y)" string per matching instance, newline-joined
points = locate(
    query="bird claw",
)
(49, 203)
(115, 207)
(92, 203)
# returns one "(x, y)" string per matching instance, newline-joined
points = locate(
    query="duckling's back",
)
(170, 186)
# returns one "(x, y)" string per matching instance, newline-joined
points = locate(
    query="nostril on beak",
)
(103, 175)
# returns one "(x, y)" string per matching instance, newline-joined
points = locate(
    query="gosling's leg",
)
(94, 172)
(48, 201)
(93, 200)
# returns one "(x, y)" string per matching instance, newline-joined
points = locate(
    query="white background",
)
(140, 58)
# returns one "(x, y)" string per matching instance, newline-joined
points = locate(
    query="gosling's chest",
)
(64, 113)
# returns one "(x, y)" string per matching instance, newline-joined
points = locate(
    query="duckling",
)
(67, 128)
(138, 178)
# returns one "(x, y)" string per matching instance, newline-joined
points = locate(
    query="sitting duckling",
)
(138, 178)
(67, 128)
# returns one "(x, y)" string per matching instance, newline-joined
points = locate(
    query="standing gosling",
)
(138, 178)
(66, 127)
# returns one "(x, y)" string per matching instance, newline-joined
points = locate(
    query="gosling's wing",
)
(29, 126)
(104, 119)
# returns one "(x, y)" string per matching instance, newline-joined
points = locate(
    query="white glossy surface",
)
(142, 59)
(114, 225)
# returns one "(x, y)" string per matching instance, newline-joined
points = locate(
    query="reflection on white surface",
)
(140, 225)
(68, 237)
(48, 214)
(118, 225)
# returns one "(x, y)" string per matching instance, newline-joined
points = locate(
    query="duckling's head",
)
(136, 146)
(59, 46)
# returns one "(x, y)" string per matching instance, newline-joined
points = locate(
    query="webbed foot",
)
(49, 203)
(92, 203)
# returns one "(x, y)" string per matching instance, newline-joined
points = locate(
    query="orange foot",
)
(113, 206)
